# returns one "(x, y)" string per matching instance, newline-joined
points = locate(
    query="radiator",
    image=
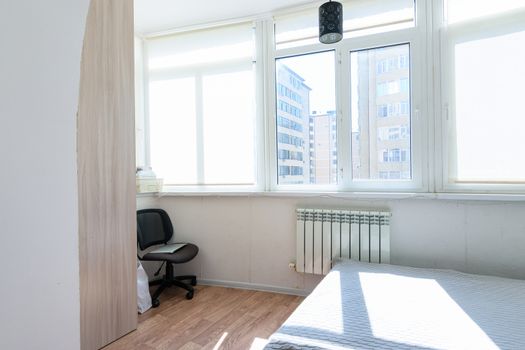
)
(324, 235)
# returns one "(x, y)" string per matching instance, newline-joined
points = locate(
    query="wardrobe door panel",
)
(106, 176)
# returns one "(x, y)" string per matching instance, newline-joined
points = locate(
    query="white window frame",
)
(444, 37)
(431, 120)
(272, 115)
(259, 132)
(415, 37)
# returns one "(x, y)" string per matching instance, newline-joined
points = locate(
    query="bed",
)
(378, 306)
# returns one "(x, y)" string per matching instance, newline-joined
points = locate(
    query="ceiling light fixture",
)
(330, 22)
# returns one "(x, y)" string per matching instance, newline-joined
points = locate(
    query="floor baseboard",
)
(253, 286)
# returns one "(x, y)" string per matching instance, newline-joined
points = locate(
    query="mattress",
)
(378, 306)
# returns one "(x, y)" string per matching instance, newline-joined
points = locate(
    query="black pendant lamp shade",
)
(330, 22)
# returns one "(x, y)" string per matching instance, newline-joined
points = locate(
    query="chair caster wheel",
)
(193, 282)
(189, 295)
(155, 303)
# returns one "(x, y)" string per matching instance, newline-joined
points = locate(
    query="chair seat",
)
(184, 254)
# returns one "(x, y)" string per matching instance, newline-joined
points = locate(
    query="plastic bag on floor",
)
(143, 296)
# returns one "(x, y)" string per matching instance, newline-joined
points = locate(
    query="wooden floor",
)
(216, 318)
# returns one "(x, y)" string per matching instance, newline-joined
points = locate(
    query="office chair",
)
(154, 228)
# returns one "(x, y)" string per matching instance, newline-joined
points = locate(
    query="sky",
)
(318, 72)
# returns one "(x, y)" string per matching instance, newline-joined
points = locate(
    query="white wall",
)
(252, 239)
(40, 50)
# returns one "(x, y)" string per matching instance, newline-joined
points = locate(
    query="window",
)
(392, 87)
(382, 89)
(395, 175)
(373, 98)
(196, 137)
(290, 140)
(393, 134)
(382, 67)
(393, 109)
(404, 132)
(369, 162)
(483, 92)
(393, 63)
(353, 116)
(404, 85)
(395, 155)
(403, 62)
(382, 111)
(284, 170)
(404, 108)
(336, 117)
(405, 156)
(289, 124)
(312, 78)
(390, 175)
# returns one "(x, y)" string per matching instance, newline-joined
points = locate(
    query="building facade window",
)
(404, 108)
(289, 124)
(382, 111)
(395, 155)
(404, 85)
(382, 67)
(403, 62)
(290, 140)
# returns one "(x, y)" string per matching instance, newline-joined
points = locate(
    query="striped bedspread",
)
(379, 306)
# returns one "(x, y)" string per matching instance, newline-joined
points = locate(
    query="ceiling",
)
(159, 15)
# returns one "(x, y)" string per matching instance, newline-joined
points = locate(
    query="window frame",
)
(430, 117)
(444, 37)
(272, 116)
(259, 152)
(415, 38)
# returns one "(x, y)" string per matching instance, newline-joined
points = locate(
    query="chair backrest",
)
(153, 227)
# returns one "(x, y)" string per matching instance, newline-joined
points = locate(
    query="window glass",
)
(306, 119)
(202, 106)
(380, 146)
(173, 129)
(228, 133)
(489, 118)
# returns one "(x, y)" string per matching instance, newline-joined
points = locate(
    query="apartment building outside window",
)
(385, 113)
(308, 84)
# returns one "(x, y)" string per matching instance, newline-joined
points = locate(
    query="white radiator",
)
(323, 235)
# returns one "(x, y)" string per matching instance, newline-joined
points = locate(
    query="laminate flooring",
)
(216, 318)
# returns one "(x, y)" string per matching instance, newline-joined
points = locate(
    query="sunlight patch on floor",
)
(221, 340)
(258, 343)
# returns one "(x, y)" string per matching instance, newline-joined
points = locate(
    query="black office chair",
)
(154, 228)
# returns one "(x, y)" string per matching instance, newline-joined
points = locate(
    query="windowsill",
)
(147, 194)
(347, 195)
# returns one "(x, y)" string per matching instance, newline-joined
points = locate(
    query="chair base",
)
(170, 280)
